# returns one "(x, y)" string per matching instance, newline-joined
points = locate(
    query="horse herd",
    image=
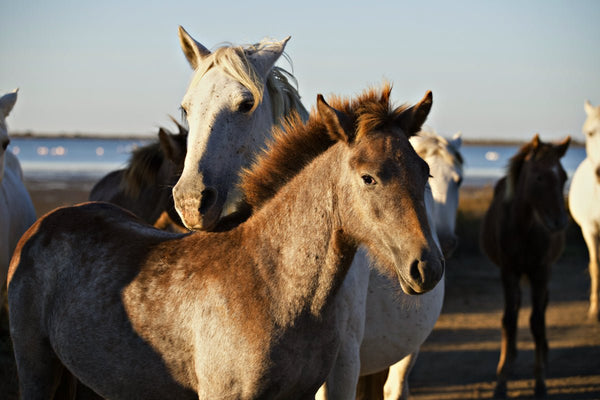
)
(317, 254)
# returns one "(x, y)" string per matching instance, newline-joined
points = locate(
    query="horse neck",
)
(520, 208)
(300, 233)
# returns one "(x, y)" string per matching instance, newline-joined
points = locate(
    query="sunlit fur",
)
(584, 202)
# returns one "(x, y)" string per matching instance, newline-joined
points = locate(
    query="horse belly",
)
(396, 324)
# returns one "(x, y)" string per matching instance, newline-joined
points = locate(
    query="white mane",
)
(234, 61)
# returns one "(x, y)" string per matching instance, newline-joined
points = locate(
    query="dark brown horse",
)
(523, 233)
(135, 312)
(145, 186)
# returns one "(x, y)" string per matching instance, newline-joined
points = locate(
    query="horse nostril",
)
(415, 272)
(209, 197)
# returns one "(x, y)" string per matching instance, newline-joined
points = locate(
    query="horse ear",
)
(333, 120)
(194, 51)
(182, 130)
(588, 107)
(172, 148)
(456, 141)
(412, 119)
(561, 148)
(7, 102)
(535, 142)
(264, 59)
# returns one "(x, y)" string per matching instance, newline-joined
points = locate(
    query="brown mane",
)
(295, 144)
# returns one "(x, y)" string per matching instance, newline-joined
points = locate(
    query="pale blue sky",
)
(502, 69)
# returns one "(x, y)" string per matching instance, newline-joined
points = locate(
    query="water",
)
(72, 158)
(81, 158)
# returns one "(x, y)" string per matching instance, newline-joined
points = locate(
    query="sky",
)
(497, 69)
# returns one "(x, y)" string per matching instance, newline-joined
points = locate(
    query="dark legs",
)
(508, 349)
(537, 322)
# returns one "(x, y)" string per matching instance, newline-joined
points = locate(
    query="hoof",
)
(540, 390)
(500, 391)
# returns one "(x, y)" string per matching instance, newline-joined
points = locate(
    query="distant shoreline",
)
(150, 136)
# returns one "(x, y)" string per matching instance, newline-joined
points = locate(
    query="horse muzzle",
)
(198, 212)
(424, 274)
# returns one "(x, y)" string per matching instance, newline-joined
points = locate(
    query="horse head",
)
(384, 181)
(446, 166)
(537, 177)
(229, 114)
(7, 103)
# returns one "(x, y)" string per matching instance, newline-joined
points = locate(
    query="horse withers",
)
(16, 208)
(584, 202)
(523, 232)
(135, 312)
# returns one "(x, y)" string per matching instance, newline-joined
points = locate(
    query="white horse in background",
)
(16, 209)
(584, 201)
(393, 325)
(236, 95)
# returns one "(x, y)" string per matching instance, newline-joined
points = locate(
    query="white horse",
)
(584, 202)
(392, 324)
(235, 96)
(16, 209)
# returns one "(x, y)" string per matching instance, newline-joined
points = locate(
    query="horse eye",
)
(5, 144)
(368, 180)
(246, 105)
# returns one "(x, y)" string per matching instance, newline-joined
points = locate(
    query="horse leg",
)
(396, 385)
(39, 370)
(370, 387)
(537, 321)
(342, 379)
(592, 239)
(508, 348)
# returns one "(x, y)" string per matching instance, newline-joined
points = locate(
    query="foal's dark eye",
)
(246, 105)
(368, 180)
(5, 144)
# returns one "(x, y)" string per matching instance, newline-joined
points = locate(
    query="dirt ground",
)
(458, 360)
